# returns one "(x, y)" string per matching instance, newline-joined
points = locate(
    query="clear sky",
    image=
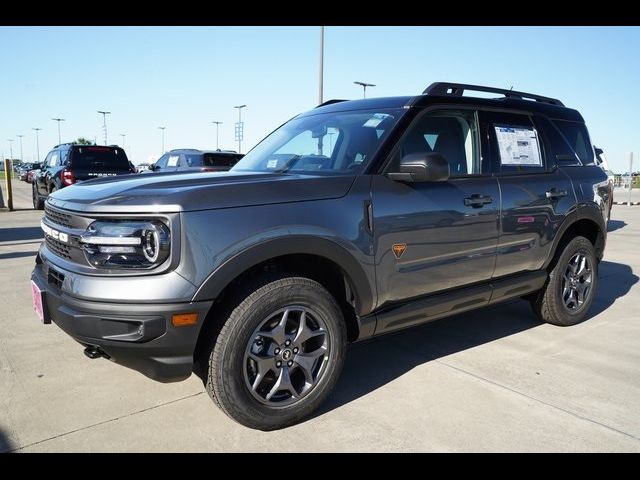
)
(186, 77)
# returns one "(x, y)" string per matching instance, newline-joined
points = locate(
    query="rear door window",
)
(103, 159)
(515, 143)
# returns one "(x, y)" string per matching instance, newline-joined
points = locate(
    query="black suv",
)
(192, 160)
(69, 163)
(354, 219)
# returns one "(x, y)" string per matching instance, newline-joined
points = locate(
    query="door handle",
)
(476, 200)
(553, 193)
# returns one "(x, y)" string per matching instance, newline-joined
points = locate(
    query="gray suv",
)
(192, 160)
(354, 219)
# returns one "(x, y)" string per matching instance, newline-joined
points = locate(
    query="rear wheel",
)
(279, 354)
(38, 203)
(569, 292)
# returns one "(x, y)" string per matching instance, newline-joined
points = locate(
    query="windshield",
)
(332, 143)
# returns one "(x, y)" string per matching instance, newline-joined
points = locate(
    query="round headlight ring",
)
(151, 245)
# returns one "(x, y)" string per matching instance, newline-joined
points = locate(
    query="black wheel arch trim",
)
(583, 212)
(355, 275)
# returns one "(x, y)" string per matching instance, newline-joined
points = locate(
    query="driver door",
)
(434, 236)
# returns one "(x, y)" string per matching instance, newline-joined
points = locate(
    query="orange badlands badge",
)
(398, 249)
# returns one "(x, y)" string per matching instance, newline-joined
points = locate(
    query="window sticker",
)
(518, 146)
(273, 163)
(173, 160)
(375, 120)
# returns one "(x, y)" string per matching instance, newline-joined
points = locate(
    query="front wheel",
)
(571, 287)
(279, 354)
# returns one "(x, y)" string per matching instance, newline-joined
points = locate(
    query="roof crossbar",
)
(457, 89)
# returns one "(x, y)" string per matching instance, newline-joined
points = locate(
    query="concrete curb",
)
(626, 203)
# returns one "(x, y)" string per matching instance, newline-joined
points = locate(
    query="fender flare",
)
(357, 278)
(584, 212)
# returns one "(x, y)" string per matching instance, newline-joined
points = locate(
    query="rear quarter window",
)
(578, 138)
(214, 160)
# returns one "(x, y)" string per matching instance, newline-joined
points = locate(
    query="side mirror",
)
(598, 151)
(422, 167)
(154, 167)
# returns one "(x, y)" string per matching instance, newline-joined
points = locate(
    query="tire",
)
(233, 380)
(565, 300)
(38, 203)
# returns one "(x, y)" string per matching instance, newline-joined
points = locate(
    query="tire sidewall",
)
(577, 245)
(245, 408)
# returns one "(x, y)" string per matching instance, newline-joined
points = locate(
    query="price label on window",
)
(518, 146)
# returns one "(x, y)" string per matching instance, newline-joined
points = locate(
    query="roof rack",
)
(329, 102)
(457, 89)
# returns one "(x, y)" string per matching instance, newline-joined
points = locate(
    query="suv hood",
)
(171, 192)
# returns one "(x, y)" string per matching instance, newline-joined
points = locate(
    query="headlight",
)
(142, 244)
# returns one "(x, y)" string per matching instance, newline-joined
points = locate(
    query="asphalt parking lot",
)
(491, 380)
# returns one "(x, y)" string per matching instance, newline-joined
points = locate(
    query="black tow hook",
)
(94, 352)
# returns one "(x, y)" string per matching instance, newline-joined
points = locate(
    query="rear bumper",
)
(138, 336)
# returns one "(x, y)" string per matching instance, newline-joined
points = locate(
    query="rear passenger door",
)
(536, 195)
(434, 236)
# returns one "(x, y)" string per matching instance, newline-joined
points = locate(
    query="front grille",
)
(57, 217)
(58, 248)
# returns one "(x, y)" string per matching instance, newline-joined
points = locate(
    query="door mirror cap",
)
(422, 167)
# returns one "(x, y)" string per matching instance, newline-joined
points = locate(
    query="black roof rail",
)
(457, 89)
(329, 102)
(63, 144)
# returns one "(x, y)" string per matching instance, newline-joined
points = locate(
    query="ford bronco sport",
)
(69, 163)
(354, 219)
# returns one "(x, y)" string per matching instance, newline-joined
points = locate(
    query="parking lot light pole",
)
(58, 120)
(630, 176)
(37, 142)
(104, 123)
(321, 82)
(20, 137)
(239, 127)
(123, 135)
(10, 140)
(217, 124)
(162, 128)
(364, 85)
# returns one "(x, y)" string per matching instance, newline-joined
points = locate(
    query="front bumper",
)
(138, 336)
